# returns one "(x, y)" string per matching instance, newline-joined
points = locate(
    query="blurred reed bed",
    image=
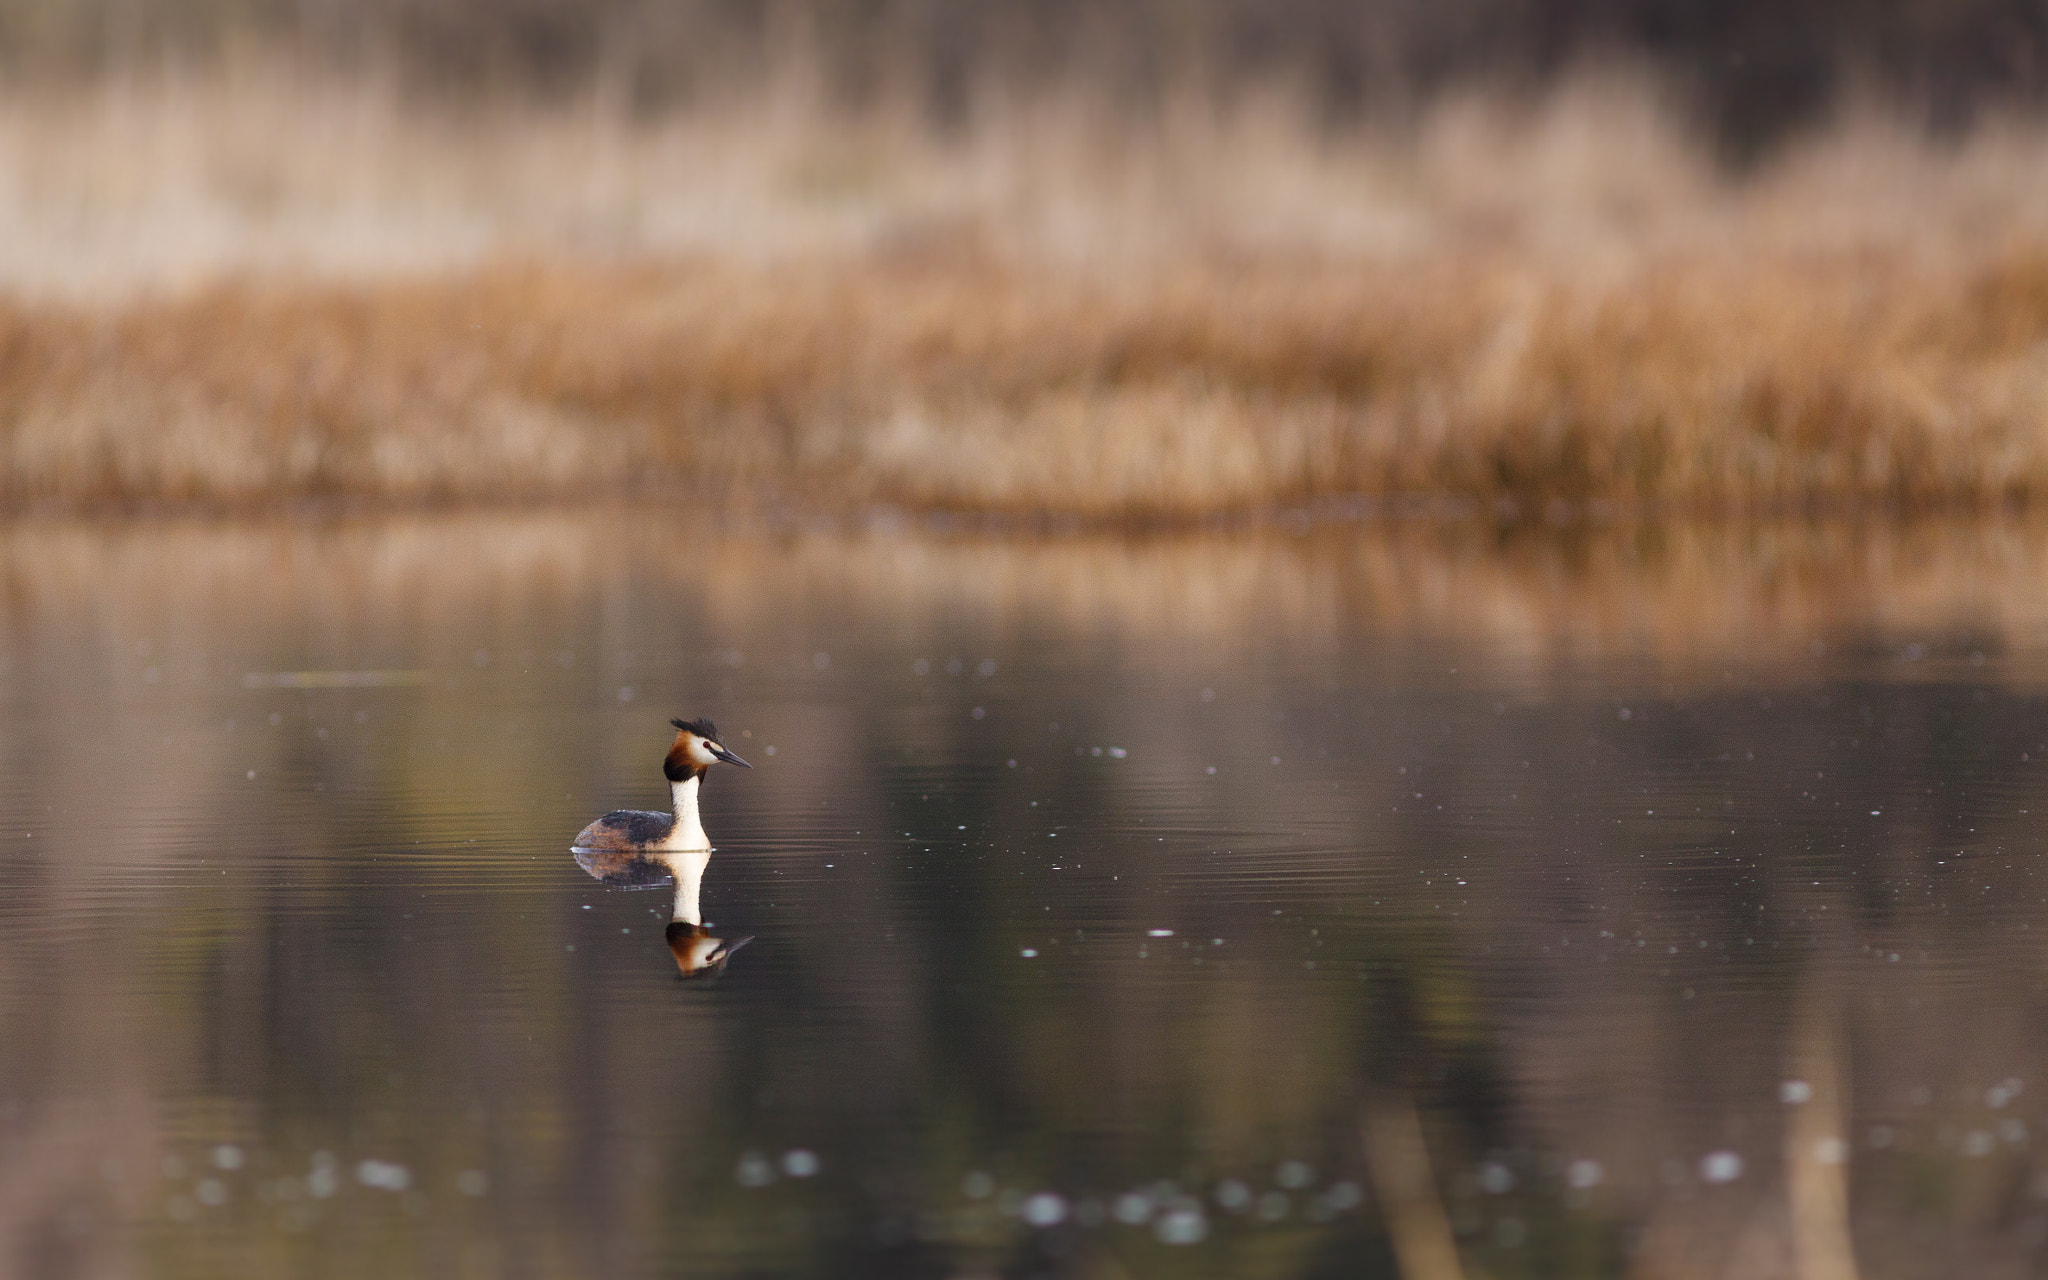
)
(245, 291)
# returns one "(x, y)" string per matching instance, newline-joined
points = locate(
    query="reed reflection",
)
(697, 952)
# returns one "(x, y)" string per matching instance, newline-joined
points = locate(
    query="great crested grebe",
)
(690, 757)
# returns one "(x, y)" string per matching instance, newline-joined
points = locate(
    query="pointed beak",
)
(726, 756)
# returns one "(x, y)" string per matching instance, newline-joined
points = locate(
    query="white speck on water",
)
(1133, 1208)
(1293, 1173)
(1029, 953)
(227, 1156)
(1830, 1150)
(211, 1191)
(1624, 713)
(1159, 933)
(1343, 1196)
(978, 1185)
(384, 1175)
(1044, 1209)
(1978, 1143)
(1583, 1175)
(1875, 812)
(1233, 1195)
(1013, 764)
(799, 1163)
(1181, 1226)
(2012, 1130)
(1721, 1166)
(1276, 759)
(1795, 1092)
(252, 775)
(754, 1170)
(586, 906)
(1117, 753)
(322, 1183)
(1212, 768)
(1496, 1179)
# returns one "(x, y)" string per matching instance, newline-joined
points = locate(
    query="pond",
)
(1402, 898)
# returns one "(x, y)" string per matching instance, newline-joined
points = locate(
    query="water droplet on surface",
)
(1182, 1226)
(799, 1163)
(1044, 1209)
(384, 1175)
(754, 1170)
(1721, 1166)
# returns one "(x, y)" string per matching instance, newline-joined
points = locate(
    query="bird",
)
(695, 749)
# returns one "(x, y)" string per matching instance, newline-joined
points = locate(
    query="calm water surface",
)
(1365, 902)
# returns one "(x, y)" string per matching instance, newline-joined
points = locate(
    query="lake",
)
(1401, 897)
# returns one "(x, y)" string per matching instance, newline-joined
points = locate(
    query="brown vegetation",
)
(1570, 310)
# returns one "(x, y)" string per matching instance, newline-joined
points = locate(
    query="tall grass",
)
(242, 292)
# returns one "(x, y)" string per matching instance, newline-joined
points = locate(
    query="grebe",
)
(690, 757)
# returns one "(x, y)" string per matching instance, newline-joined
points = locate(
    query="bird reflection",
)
(696, 952)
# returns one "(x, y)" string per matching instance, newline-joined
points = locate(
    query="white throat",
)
(689, 829)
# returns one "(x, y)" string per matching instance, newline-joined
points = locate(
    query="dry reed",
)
(1568, 308)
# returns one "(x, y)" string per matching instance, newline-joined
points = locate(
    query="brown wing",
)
(626, 829)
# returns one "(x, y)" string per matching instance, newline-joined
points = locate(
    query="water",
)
(1354, 901)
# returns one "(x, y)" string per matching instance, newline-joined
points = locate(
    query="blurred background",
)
(1107, 262)
(1391, 638)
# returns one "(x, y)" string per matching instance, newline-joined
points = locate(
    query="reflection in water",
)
(696, 952)
(1390, 899)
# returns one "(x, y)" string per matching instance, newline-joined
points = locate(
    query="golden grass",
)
(1565, 309)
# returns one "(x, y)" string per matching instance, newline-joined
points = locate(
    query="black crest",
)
(702, 728)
